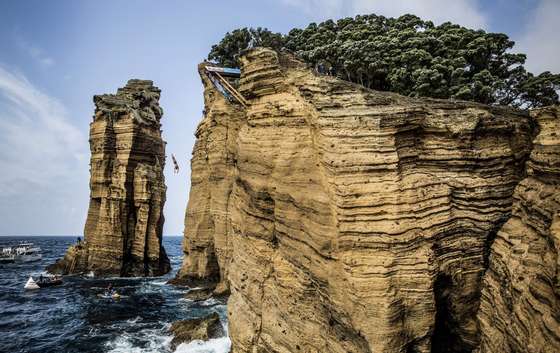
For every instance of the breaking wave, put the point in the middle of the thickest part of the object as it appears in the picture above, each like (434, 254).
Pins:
(216, 345)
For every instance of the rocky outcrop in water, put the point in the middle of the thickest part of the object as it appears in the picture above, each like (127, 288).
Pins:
(520, 305)
(205, 328)
(123, 230)
(347, 220)
(199, 294)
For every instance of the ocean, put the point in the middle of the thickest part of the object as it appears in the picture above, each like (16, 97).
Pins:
(72, 318)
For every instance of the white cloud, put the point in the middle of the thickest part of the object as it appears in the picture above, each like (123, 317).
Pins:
(39, 148)
(464, 12)
(540, 40)
(35, 52)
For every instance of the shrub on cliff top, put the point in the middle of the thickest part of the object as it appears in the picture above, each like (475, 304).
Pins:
(409, 56)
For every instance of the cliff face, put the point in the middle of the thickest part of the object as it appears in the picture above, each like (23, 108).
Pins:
(348, 220)
(520, 305)
(206, 244)
(123, 230)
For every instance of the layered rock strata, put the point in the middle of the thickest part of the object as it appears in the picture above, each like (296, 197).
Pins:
(520, 305)
(123, 230)
(348, 220)
(203, 329)
(206, 246)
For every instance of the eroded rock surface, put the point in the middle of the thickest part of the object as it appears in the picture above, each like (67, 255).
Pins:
(206, 246)
(199, 294)
(123, 230)
(348, 220)
(203, 329)
(520, 305)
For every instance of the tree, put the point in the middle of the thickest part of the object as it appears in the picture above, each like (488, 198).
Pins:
(409, 56)
(227, 51)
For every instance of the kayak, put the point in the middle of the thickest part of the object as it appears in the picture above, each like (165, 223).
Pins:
(110, 296)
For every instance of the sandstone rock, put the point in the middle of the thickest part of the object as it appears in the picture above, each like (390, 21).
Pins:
(348, 220)
(520, 305)
(199, 294)
(196, 329)
(123, 230)
(206, 245)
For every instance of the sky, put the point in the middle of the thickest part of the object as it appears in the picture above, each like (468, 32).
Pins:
(55, 55)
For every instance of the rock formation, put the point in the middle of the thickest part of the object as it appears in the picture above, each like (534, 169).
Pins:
(206, 244)
(520, 305)
(347, 220)
(203, 329)
(198, 294)
(123, 230)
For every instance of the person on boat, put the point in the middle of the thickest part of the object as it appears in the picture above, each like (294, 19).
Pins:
(110, 291)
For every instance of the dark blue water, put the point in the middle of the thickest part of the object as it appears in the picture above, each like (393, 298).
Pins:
(72, 318)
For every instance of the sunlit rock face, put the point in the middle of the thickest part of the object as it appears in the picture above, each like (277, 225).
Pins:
(348, 220)
(520, 305)
(123, 231)
(207, 246)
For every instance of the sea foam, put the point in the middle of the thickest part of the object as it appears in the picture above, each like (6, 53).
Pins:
(215, 345)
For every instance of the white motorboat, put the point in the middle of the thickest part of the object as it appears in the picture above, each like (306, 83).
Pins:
(7, 256)
(27, 252)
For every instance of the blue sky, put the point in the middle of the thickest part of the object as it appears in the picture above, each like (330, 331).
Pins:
(55, 55)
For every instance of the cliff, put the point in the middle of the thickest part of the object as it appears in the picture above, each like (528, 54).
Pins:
(520, 305)
(347, 220)
(206, 245)
(123, 230)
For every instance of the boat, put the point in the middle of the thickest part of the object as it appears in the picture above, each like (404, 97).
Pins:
(43, 282)
(27, 252)
(7, 256)
(114, 296)
(49, 281)
(23, 252)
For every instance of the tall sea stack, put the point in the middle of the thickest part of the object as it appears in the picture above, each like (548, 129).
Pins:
(123, 230)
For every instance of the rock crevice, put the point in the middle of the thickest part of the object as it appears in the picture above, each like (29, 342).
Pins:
(520, 305)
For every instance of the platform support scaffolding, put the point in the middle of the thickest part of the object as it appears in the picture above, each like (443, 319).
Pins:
(217, 72)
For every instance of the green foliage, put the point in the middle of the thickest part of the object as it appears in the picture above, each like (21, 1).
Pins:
(227, 52)
(409, 56)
